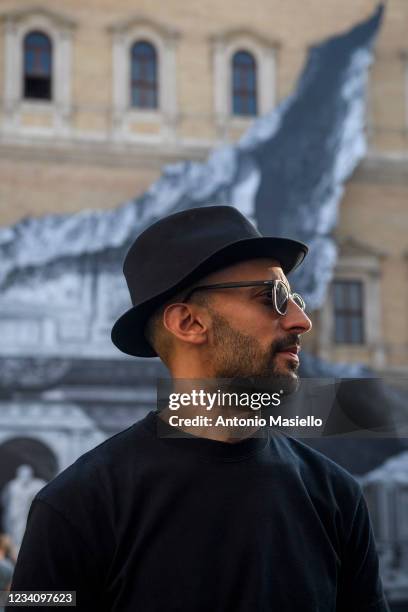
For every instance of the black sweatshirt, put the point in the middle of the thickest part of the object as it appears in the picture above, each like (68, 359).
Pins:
(144, 523)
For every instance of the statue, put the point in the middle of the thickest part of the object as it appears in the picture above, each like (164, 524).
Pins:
(16, 500)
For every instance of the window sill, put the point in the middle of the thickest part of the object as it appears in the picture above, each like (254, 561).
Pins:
(150, 115)
(36, 106)
(241, 121)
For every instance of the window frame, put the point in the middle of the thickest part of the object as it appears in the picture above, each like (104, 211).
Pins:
(356, 261)
(164, 118)
(58, 109)
(265, 53)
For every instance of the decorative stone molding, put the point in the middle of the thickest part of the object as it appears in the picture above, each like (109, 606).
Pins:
(361, 262)
(59, 28)
(64, 428)
(165, 117)
(264, 51)
(20, 15)
(30, 373)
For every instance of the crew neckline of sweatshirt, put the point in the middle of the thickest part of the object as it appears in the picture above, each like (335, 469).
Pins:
(205, 447)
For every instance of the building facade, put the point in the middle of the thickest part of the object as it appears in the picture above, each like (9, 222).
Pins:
(97, 96)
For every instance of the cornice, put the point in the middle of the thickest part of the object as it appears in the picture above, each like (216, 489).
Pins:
(348, 245)
(19, 15)
(226, 36)
(124, 26)
(382, 169)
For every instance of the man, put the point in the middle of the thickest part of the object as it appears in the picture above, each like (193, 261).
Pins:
(206, 521)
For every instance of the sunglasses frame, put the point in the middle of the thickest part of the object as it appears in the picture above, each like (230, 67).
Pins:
(267, 283)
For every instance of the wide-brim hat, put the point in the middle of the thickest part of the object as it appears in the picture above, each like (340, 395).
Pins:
(181, 248)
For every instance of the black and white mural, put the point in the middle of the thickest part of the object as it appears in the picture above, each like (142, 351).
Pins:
(64, 387)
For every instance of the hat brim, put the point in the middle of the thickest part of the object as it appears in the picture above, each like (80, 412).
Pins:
(128, 331)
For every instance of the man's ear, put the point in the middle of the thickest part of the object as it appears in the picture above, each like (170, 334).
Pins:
(186, 323)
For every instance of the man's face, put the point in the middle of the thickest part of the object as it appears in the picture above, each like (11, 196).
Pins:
(248, 337)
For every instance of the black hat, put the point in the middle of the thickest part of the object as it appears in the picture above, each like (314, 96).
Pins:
(181, 248)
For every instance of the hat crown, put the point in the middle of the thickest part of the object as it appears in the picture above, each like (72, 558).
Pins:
(172, 247)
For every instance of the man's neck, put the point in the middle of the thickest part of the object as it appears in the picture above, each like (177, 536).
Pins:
(205, 413)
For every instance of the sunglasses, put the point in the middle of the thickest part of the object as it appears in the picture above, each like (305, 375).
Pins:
(279, 293)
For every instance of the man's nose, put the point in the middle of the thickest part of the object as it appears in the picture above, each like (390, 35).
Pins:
(296, 317)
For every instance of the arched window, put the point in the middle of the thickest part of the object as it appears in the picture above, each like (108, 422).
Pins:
(143, 84)
(244, 95)
(37, 66)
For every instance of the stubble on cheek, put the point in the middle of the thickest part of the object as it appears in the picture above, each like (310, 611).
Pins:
(238, 354)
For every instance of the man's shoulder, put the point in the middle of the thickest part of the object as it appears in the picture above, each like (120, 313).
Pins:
(319, 470)
(94, 471)
(333, 492)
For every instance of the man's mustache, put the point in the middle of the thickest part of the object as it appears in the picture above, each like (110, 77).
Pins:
(284, 344)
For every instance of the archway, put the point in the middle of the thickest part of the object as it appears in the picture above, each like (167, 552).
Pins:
(18, 451)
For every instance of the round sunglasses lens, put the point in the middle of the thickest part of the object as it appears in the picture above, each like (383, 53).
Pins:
(282, 298)
(299, 301)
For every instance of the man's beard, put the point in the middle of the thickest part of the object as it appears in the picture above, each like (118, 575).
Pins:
(241, 359)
